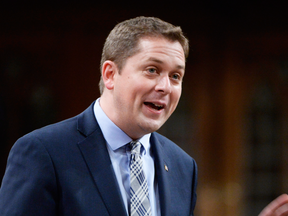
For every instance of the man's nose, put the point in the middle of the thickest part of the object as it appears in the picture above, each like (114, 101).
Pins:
(163, 84)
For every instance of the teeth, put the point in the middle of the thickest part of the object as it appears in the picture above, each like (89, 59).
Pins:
(159, 106)
(154, 106)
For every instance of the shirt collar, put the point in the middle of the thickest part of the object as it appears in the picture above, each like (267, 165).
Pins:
(114, 136)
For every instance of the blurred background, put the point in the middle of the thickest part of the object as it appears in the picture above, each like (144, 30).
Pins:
(233, 114)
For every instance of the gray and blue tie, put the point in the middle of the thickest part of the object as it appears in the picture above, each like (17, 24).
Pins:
(139, 196)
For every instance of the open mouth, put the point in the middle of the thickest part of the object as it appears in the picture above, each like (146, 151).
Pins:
(154, 106)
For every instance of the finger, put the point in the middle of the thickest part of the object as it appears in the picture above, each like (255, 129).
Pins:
(279, 201)
(282, 210)
(270, 209)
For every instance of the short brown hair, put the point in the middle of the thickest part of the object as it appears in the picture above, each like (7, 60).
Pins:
(122, 42)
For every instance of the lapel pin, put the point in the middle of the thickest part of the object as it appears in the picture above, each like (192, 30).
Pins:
(166, 167)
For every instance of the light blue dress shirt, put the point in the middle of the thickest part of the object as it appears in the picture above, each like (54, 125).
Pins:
(119, 153)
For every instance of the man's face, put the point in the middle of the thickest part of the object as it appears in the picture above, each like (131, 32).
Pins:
(148, 88)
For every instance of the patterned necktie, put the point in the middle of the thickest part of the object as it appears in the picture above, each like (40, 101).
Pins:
(139, 197)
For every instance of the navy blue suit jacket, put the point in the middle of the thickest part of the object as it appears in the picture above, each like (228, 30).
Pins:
(65, 169)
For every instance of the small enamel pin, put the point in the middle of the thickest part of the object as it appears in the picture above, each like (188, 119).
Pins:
(166, 167)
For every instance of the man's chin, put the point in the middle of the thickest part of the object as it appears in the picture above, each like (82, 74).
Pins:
(151, 126)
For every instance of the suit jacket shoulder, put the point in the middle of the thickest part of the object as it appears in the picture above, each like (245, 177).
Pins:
(61, 169)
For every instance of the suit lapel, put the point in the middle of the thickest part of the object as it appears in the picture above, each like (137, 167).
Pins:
(95, 153)
(162, 174)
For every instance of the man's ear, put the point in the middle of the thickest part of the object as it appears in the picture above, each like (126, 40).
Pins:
(109, 70)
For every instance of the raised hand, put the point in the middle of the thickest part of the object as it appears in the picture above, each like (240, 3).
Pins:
(278, 207)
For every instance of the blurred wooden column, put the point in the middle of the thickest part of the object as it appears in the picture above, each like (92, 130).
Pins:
(220, 103)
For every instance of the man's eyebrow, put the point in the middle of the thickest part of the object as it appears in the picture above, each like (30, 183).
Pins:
(161, 62)
(155, 60)
(181, 67)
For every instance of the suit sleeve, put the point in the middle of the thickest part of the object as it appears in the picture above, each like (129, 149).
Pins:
(29, 184)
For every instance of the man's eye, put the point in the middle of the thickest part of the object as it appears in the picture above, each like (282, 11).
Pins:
(152, 70)
(176, 76)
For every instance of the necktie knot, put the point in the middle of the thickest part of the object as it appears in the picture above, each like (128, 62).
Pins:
(135, 149)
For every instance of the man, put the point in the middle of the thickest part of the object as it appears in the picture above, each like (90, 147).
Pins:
(81, 166)
(85, 165)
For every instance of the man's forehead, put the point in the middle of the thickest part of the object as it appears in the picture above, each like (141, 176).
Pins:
(162, 44)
